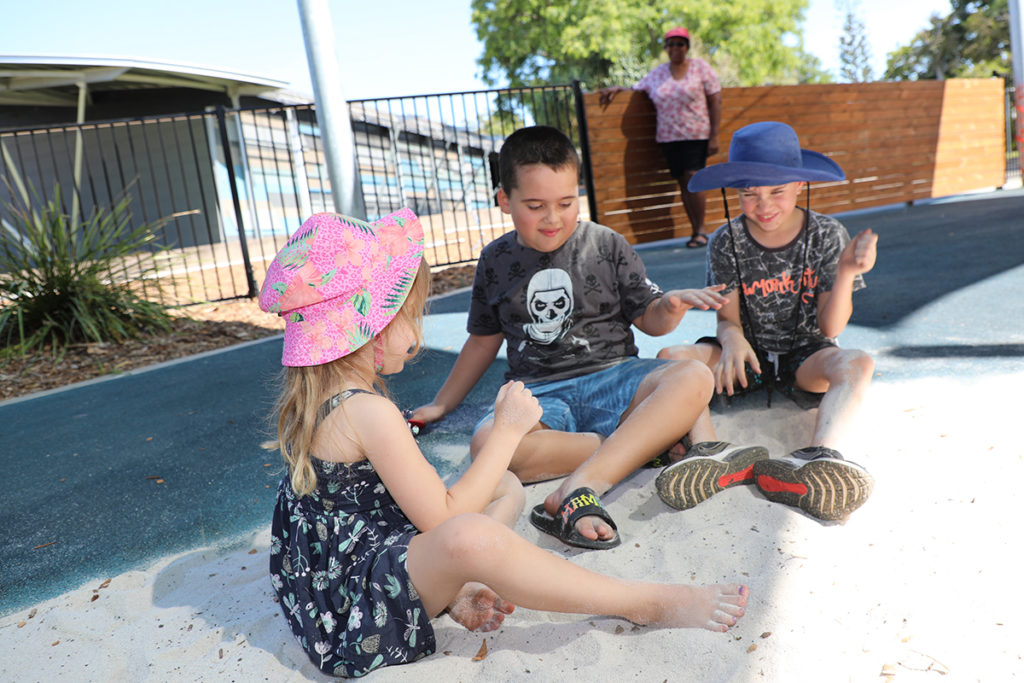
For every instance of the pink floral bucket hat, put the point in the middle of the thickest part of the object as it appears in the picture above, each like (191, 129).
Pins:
(339, 281)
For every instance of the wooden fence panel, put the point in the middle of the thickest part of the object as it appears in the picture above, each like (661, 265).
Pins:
(896, 141)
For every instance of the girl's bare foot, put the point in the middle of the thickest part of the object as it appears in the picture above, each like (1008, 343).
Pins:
(715, 608)
(479, 608)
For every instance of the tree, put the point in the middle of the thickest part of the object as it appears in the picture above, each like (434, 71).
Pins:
(809, 71)
(854, 50)
(972, 42)
(601, 42)
(501, 123)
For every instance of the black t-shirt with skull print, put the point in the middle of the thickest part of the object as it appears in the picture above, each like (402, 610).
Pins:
(563, 313)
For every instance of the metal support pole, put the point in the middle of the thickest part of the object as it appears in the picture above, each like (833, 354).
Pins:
(83, 91)
(331, 109)
(1017, 59)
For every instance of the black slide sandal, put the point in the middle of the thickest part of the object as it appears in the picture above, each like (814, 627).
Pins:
(583, 502)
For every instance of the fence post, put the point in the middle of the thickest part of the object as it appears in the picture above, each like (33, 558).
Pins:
(588, 172)
(229, 162)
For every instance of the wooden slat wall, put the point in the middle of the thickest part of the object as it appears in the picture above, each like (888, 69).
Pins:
(897, 142)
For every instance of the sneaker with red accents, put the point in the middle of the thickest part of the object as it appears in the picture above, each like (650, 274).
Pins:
(817, 480)
(709, 467)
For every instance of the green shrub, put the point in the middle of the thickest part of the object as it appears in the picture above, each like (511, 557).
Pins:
(62, 284)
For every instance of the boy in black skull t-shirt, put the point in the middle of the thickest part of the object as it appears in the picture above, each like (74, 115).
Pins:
(563, 295)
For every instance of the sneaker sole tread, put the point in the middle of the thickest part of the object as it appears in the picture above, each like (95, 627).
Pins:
(826, 489)
(693, 480)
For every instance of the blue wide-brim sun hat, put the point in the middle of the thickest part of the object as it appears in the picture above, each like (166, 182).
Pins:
(766, 153)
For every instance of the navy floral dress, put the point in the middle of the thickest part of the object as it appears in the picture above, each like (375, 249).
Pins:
(337, 562)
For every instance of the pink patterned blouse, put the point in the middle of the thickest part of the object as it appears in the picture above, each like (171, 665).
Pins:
(682, 105)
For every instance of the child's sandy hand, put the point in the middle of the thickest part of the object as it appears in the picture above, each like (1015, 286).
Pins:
(516, 408)
(731, 369)
(859, 255)
(680, 300)
(431, 412)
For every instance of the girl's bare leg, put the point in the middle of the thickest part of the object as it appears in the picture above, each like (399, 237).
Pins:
(476, 606)
(478, 548)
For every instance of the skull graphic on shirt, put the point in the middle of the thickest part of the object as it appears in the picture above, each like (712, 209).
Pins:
(550, 302)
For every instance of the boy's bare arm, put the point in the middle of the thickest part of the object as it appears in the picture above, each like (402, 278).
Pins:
(664, 313)
(476, 356)
(729, 322)
(836, 307)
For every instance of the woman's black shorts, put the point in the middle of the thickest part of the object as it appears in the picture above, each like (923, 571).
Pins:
(684, 155)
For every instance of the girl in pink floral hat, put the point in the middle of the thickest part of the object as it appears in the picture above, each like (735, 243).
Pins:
(368, 544)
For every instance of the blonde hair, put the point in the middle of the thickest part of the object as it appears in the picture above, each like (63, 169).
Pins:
(303, 388)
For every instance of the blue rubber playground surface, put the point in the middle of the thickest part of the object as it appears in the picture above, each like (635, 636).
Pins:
(107, 476)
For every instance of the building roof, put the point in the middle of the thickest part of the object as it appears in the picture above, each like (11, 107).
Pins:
(54, 80)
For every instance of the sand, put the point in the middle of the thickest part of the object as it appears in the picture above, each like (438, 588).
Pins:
(919, 584)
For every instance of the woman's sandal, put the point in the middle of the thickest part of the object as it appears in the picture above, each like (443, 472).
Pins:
(583, 502)
(697, 241)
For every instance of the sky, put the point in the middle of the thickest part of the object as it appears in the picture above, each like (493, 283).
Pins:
(385, 48)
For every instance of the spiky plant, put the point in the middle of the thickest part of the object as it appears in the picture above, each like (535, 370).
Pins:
(62, 284)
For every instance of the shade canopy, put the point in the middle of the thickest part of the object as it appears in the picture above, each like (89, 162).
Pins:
(59, 81)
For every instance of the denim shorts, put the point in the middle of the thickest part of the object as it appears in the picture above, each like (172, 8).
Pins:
(593, 402)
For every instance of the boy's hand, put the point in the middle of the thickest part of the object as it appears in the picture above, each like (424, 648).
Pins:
(664, 313)
(681, 300)
(859, 255)
(731, 367)
(431, 412)
(516, 408)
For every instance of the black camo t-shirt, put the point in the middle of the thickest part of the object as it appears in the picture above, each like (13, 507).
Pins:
(563, 313)
(780, 286)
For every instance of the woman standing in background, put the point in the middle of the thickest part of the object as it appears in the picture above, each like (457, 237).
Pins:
(688, 100)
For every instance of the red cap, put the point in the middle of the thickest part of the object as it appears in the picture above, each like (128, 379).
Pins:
(677, 32)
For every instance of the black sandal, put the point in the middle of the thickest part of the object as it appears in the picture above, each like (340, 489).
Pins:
(697, 241)
(583, 502)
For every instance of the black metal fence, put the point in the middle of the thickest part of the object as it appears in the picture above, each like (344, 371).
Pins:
(231, 185)
(172, 168)
(437, 154)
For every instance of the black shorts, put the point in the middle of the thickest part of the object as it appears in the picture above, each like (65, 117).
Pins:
(783, 367)
(684, 155)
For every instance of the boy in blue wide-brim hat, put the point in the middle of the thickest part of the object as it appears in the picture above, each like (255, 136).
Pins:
(792, 273)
